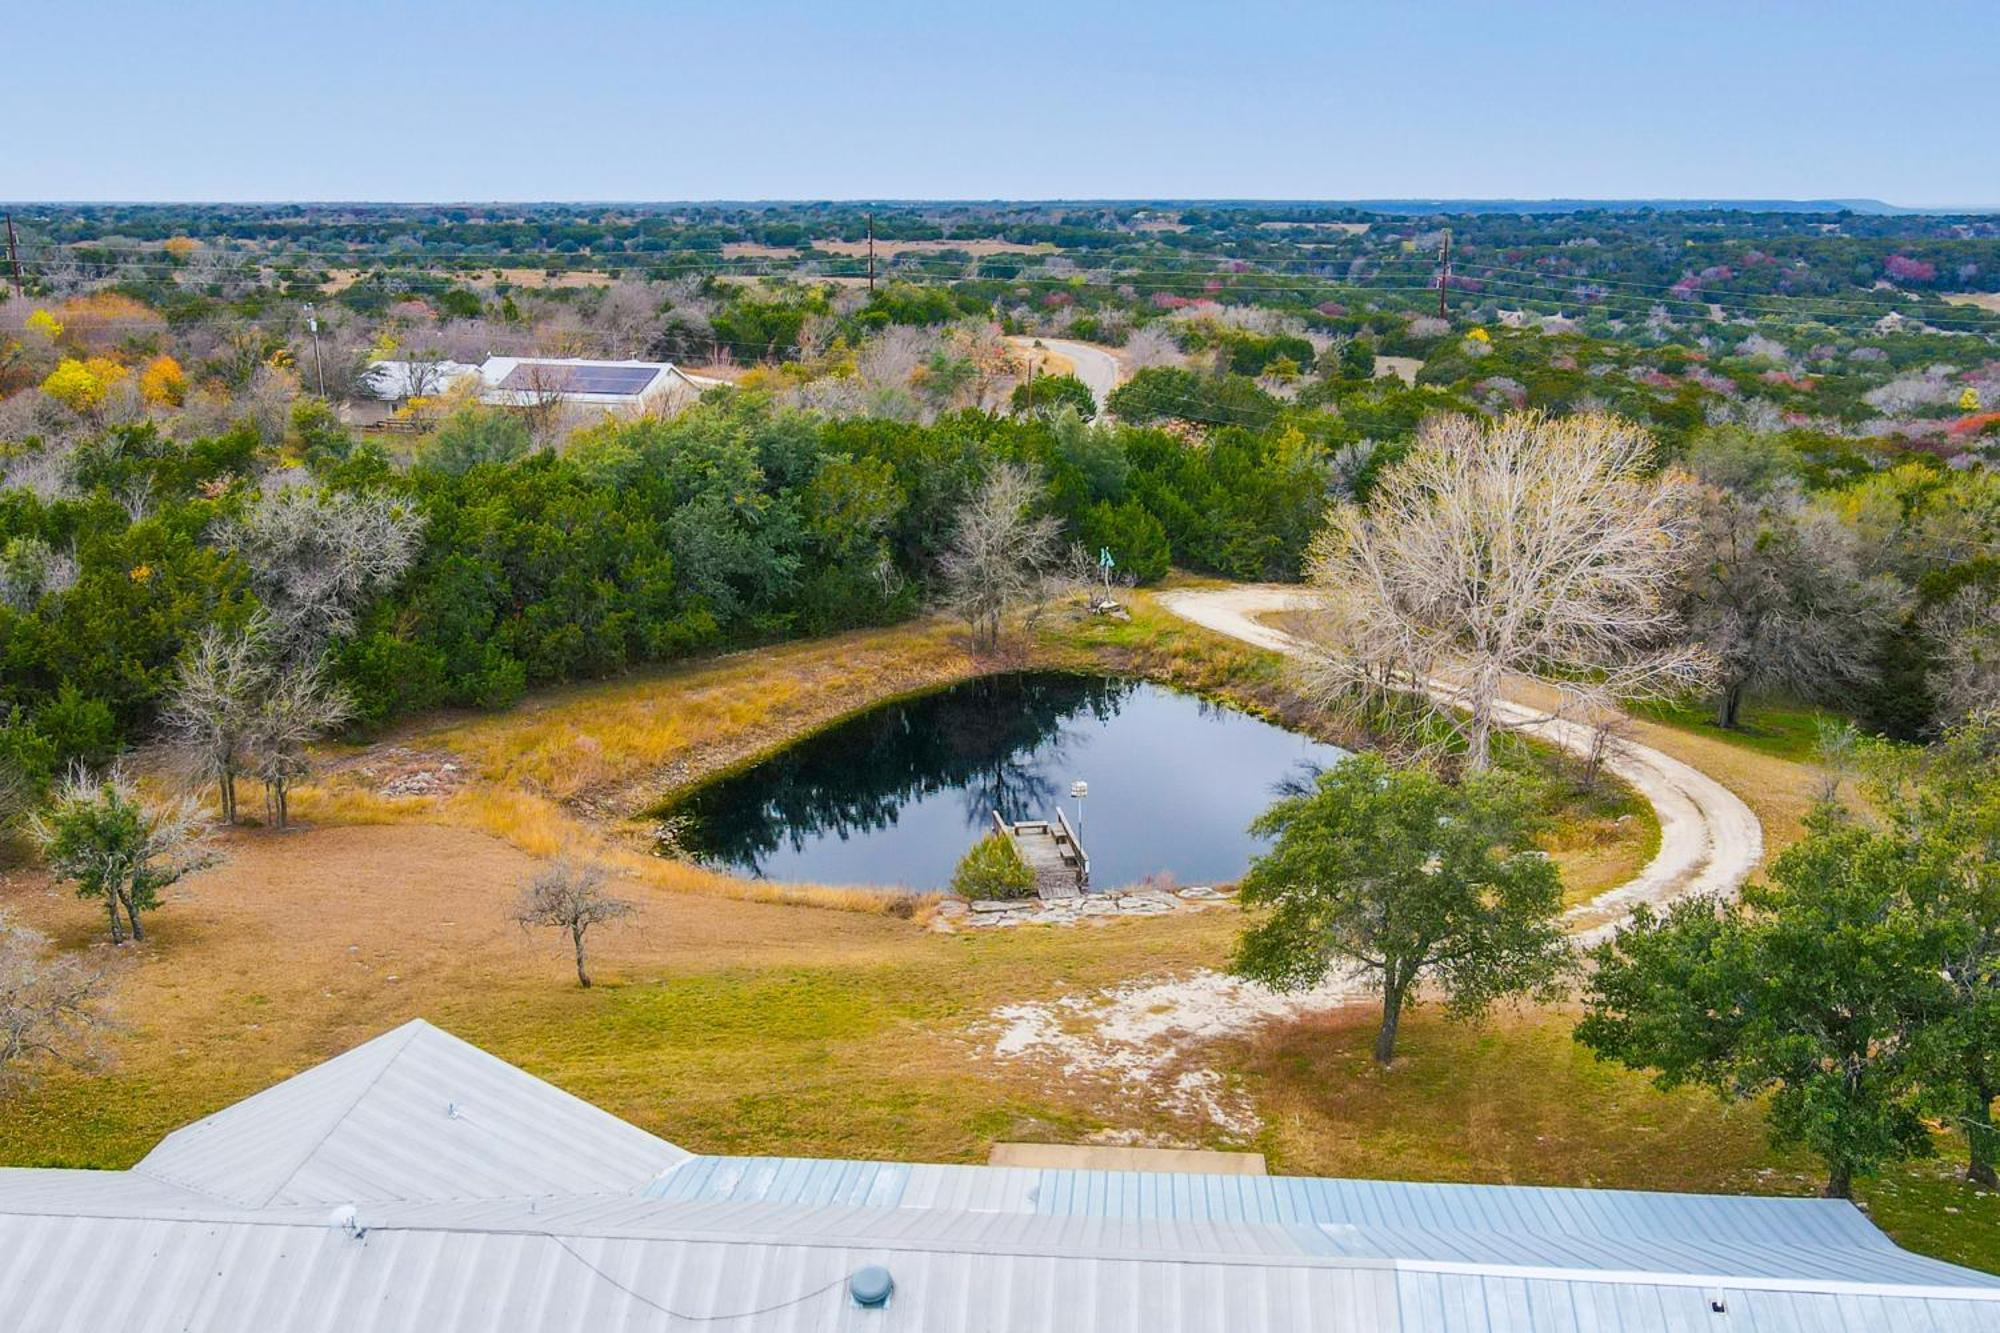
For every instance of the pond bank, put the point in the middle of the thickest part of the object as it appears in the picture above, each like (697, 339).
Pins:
(954, 915)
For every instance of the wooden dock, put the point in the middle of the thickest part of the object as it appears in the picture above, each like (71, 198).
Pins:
(1052, 851)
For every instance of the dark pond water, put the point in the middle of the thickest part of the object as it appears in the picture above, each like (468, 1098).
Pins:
(895, 796)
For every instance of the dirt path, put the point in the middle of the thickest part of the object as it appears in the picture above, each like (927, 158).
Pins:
(1098, 367)
(1146, 1036)
(1710, 840)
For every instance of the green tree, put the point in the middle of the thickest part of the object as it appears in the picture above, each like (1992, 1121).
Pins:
(1134, 537)
(1813, 989)
(1945, 803)
(1405, 878)
(459, 303)
(993, 869)
(101, 835)
(1046, 395)
(1160, 393)
(323, 441)
(475, 435)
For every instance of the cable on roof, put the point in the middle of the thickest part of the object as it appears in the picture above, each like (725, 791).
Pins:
(671, 1313)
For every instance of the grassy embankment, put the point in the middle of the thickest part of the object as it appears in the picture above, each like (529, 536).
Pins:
(732, 1024)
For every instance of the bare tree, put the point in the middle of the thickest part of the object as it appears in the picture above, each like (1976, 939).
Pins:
(317, 559)
(212, 704)
(999, 552)
(628, 316)
(101, 835)
(1529, 544)
(297, 705)
(541, 402)
(1966, 630)
(570, 895)
(1777, 596)
(49, 1005)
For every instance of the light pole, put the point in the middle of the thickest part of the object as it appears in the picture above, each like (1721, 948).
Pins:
(1078, 790)
(319, 369)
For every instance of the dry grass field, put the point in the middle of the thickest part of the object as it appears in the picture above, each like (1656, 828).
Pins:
(731, 1016)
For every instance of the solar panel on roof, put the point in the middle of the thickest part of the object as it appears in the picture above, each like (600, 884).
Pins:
(550, 377)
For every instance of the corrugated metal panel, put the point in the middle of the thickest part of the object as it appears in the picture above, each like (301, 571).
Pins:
(1514, 1225)
(35, 1190)
(248, 1278)
(414, 1114)
(1381, 1203)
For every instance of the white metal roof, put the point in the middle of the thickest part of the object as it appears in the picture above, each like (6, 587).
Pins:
(664, 381)
(414, 1114)
(394, 381)
(481, 1198)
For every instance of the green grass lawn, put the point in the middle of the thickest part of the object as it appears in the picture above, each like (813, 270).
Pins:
(1516, 1101)
(1780, 730)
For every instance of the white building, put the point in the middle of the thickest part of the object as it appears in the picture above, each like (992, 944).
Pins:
(418, 1184)
(629, 387)
(625, 387)
(400, 381)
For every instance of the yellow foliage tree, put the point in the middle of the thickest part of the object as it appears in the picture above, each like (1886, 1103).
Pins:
(82, 386)
(163, 383)
(1969, 400)
(180, 247)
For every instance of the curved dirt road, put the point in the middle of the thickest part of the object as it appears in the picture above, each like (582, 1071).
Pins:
(1099, 370)
(1146, 1037)
(1709, 839)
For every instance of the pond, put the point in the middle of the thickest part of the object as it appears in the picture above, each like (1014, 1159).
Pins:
(894, 796)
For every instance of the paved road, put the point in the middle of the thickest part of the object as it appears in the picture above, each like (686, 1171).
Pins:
(1099, 370)
(1710, 840)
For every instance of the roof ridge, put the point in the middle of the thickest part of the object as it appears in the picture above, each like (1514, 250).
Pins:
(414, 1029)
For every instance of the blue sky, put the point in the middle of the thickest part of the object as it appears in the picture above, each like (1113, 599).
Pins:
(618, 99)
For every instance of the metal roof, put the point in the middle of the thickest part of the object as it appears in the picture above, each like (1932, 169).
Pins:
(414, 1114)
(418, 1184)
(526, 381)
(1511, 1225)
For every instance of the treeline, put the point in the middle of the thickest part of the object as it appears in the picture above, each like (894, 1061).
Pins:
(734, 523)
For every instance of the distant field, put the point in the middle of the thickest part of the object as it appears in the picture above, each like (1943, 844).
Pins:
(1984, 300)
(341, 278)
(1404, 368)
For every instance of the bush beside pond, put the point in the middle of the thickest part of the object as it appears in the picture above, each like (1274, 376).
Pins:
(993, 869)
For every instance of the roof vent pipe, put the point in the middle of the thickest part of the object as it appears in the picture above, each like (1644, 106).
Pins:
(870, 1287)
(347, 1219)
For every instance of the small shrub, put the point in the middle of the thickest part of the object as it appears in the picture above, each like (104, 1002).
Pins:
(993, 869)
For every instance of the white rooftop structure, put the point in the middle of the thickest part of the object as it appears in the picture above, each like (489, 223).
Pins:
(513, 381)
(418, 1184)
(400, 381)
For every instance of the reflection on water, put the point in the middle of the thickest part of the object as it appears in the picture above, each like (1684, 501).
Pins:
(896, 795)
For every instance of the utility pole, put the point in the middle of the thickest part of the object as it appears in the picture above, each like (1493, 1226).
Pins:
(1444, 271)
(319, 367)
(871, 254)
(13, 256)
